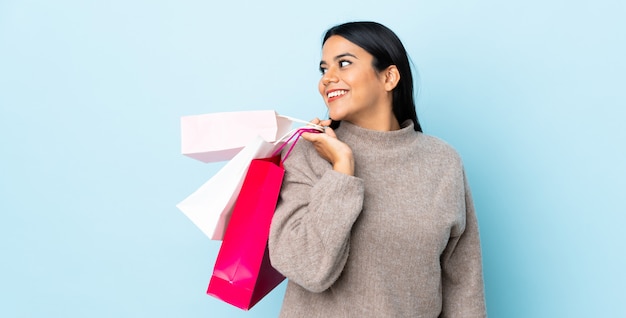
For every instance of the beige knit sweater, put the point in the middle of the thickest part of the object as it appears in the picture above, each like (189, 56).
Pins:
(398, 239)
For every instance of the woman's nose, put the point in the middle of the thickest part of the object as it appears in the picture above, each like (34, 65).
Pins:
(329, 77)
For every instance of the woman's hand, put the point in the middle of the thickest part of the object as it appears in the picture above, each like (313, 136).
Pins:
(332, 149)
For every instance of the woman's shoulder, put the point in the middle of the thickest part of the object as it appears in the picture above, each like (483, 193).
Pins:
(438, 148)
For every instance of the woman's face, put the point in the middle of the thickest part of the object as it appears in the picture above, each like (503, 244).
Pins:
(350, 85)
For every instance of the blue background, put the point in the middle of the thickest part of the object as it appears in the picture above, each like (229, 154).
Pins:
(531, 93)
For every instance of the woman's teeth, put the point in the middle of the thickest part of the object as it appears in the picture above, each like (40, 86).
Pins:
(336, 93)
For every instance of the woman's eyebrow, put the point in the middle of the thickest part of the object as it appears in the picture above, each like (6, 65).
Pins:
(322, 62)
(344, 55)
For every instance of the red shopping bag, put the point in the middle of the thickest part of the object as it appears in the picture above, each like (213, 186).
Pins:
(243, 274)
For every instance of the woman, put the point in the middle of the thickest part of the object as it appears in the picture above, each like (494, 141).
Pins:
(375, 218)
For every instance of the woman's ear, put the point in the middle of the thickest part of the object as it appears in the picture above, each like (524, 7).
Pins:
(392, 77)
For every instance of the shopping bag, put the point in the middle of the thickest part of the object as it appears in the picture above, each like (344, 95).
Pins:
(211, 205)
(220, 136)
(242, 274)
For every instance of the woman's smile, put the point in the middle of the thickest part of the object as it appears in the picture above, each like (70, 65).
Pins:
(334, 94)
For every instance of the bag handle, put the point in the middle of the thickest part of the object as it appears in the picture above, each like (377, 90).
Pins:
(300, 121)
(296, 133)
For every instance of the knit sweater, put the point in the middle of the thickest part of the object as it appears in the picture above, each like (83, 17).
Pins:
(397, 239)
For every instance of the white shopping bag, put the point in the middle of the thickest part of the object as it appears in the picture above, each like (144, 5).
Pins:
(220, 136)
(210, 207)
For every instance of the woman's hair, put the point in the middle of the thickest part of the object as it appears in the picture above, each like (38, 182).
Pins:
(387, 49)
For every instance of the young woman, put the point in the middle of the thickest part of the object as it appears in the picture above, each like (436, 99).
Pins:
(375, 218)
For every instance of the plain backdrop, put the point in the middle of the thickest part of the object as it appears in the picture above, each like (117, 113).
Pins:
(531, 93)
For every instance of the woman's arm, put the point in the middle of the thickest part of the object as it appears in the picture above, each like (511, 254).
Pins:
(461, 262)
(310, 232)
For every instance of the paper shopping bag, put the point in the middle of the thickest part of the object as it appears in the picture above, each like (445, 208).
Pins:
(242, 274)
(210, 206)
(220, 136)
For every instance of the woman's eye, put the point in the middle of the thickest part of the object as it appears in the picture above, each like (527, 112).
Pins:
(323, 70)
(344, 63)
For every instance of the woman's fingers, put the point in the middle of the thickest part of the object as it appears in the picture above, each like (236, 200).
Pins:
(312, 137)
(330, 132)
(325, 123)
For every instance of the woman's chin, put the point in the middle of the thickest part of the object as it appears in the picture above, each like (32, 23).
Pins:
(337, 116)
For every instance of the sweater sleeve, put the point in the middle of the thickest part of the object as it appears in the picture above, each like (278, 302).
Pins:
(462, 276)
(310, 232)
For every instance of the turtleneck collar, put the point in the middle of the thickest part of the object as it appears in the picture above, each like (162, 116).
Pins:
(356, 136)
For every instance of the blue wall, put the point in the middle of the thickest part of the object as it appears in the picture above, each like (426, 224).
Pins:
(531, 93)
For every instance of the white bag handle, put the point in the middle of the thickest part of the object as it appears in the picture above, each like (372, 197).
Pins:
(288, 135)
(296, 120)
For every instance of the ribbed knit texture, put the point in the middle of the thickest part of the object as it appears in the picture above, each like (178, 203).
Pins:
(398, 239)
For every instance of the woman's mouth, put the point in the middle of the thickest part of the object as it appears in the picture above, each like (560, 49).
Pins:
(335, 94)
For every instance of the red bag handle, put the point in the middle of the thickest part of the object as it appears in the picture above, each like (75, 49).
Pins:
(295, 135)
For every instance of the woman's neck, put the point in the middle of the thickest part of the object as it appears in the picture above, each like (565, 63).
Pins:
(389, 123)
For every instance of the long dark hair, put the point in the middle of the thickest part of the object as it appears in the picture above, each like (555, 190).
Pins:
(387, 49)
